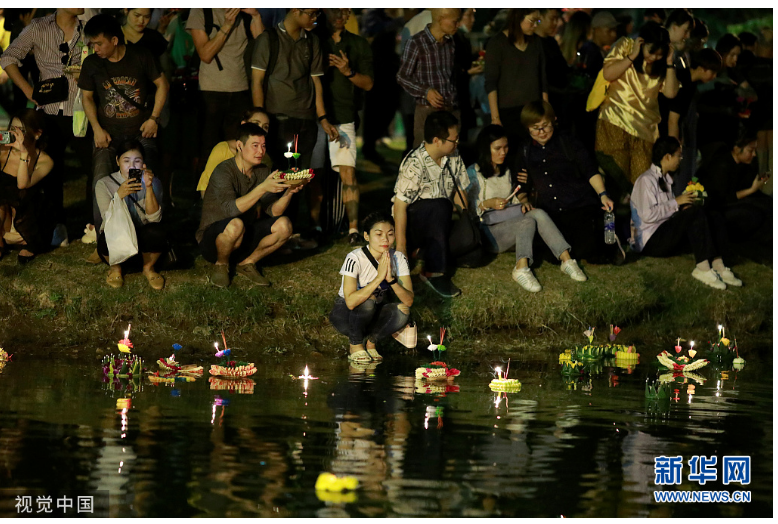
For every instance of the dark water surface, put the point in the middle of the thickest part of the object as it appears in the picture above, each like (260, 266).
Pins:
(585, 448)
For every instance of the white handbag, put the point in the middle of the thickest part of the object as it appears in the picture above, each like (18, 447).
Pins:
(119, 232)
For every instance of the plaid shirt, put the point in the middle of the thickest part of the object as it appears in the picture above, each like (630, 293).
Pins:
(43, 37)
(427, 64)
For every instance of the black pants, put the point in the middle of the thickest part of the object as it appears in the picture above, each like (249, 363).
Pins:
(584, 230)
(221, 117)
(151, 239)
(381, 104)
(367, 320)
(428, 228)
(703, 230)
(747, 216)
(60, 131)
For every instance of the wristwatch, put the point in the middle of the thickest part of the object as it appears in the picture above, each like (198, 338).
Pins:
(392, 282)
(154, 118)
(352, 75)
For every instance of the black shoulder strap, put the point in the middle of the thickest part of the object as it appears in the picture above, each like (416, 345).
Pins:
(272, 58)
(247, 25)
(132, 197)
(209, 25)
(119, 91)
(370, 256)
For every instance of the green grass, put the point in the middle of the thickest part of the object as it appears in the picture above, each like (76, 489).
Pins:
(60, 305)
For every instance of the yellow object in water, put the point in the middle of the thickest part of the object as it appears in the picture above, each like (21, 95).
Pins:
(123, 348)
(330, 482)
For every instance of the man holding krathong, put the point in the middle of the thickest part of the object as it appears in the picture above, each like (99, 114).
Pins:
(242, 207)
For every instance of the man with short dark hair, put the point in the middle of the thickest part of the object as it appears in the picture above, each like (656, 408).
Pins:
(241, 221)
(348, 75)
(679, 114)
(425, 195)
(427, 69)
(114, 85)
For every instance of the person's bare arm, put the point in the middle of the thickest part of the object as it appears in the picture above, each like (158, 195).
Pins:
(207, 48)
(257, 87)
(400, 225)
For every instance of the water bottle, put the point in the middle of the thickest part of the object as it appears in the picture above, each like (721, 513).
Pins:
(610, 227)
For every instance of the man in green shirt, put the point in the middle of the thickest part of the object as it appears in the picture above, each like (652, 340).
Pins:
(348, 73)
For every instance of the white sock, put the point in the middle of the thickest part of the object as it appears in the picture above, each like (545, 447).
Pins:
(718, 264)
(703, 266)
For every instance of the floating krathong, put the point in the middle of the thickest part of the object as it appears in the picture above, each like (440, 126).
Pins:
(680, 363)
(170, 364)
(231, 368)
(437, 371)
(122, 366)
(503, 383)
(628, 356)
(169, 378)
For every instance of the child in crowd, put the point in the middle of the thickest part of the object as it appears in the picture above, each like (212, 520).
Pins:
(507, 220)
(361, 310)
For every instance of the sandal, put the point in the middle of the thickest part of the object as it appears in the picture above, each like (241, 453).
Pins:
(374, 354)
(114, 279)
(156, 281)
(361, 357)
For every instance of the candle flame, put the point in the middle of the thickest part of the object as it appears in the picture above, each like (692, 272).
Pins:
(691, 343)
(216, 345)
(498, 370)
(306, 371)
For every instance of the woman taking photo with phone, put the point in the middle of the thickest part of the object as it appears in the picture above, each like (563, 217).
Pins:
(638, 70)
(663, 225)
(361, 310)
(24, 217)
(137, 189)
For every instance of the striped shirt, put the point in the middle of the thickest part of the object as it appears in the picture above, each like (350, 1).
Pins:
(426, 65)
(43, 37)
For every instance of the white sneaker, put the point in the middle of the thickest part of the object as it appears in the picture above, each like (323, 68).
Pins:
(90, 235)
(710, 278)
(526, 279)
(729, 278)
(571, 269)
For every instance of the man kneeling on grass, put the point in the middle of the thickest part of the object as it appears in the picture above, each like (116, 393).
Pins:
(242, 208)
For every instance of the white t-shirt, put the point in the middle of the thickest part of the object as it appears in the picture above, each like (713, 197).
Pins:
(358, 266)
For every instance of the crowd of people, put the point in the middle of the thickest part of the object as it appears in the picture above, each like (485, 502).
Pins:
(582, 127)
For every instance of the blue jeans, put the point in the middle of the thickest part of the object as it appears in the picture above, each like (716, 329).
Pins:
(367, 320)
(520, 232)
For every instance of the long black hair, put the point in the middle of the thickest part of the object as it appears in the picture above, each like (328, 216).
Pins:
(665, 145)
(657, 39)
(489, 134)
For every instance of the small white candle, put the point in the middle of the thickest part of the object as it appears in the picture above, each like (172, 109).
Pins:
(289, 147)
(692, 344)
(216, 345)
(499, 373)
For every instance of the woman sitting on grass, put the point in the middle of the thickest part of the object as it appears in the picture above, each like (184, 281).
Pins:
(24, 218)
(135, 187)
(508, 223)
(360, 310)
(663, 225)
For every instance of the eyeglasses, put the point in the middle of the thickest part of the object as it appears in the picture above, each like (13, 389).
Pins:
(312, 15)
(455, 141)
(533, 21)
(540, 129)
(65, 48)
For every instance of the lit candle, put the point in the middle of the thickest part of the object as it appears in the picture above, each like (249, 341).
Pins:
(720, 328)
(499, 372)
(289, 150)
(692, 344)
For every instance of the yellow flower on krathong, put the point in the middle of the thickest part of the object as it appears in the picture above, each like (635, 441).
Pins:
(725, 341)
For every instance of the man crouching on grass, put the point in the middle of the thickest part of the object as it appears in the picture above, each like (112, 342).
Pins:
(242, 208)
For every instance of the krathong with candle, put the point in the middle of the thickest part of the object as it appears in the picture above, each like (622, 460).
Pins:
(680, 363)
(122, 366)
(504, 384)
(231, 368)
(724, 351)
(437, 370)
(170, 364)
(124, 344)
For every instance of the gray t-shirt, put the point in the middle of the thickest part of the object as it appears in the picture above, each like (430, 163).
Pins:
(290, 89)
(226, 185)
(232, 77)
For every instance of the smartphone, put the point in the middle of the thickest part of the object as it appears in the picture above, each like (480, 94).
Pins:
(136, 175)
(6, 137)
(765, 176)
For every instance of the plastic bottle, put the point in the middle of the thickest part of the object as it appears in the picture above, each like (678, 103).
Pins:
(610, 227)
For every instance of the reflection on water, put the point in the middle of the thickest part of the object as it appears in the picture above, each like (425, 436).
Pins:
(573, 446)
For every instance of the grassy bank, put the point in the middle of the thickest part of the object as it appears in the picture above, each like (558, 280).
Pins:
(60, 305)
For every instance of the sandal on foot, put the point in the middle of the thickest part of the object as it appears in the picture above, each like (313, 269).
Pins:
(156, 281)
(115, 280)
(361, 356)
(374, 354)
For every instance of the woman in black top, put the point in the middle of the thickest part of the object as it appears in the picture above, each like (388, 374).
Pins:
(515, 71)
(136, 32)
(24, 166)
